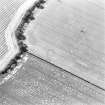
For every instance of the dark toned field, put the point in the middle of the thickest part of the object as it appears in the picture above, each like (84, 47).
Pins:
(41, 83)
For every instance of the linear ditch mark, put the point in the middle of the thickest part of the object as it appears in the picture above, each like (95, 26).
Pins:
(68, 72)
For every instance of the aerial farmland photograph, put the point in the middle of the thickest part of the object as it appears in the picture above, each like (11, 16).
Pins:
(52, 52)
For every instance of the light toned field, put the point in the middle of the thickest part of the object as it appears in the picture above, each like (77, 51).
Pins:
(71, 35)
